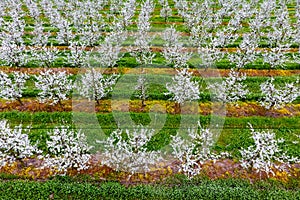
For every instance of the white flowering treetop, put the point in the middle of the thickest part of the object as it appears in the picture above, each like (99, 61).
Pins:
(173, 51)
(12, 88)
(182, 87)
(264, 152)
(54, 86)
(114, 7)
(165, 11)
(129, 153)
(95, 86)
(13, 54)
(89, 33)
(65, 34)
(262, 17)
(109, 52)
(45, 55)
(246, 53)
(275, 57)
(67, 149)
(15, 144)
(279, 38)
(33, 9)
(41, 53)
(195, 151)
(141, 51)
(77, 56)
(41, 37)
(231, 89)
(127, 12)
(141, 88)
(277, 97)
(182, 7)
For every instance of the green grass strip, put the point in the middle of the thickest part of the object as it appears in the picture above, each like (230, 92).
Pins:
(234, 135)
(206, 189)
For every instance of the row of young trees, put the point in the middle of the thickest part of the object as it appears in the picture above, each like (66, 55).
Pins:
(79, 25)
(57, 86)
(67, 149)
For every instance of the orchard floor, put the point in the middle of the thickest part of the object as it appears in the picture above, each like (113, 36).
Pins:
(31, 169)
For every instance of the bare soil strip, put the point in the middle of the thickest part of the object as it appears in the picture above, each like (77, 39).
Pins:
(160, 71)
(242, 109)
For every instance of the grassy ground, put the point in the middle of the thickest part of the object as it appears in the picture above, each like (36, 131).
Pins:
(178, 188)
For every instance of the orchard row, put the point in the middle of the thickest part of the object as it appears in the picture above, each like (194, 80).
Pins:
(68, 149)
(54, 87)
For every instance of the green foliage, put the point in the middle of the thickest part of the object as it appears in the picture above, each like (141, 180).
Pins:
(65, 188)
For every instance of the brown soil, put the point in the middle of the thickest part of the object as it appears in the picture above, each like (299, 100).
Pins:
(156, 71)
(242, 109)
(219, 169)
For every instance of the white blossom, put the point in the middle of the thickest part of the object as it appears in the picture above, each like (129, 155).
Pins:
(115, 6)
(264, 152)
(141, 51)
(143, 22)
(77, 57)
(224, 37)
(279, 38)
(194, 151)
(54, 86)
(275, 57)
(277, 97)
(127, 12)
(182, 7)
(165, 11)
(246, 53)
(13, 54)
(89, 33)
(128, 152)
(65, 34)
(108, 53)
(45, 55)
(13, 50)
(15, 144)
(173, 51)
(33, 9)
(40, 37)
(67, 149)
(231, 89)
(142, 88)
(209, 56)
(12, 88)
(182, 87)
(95, 86)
